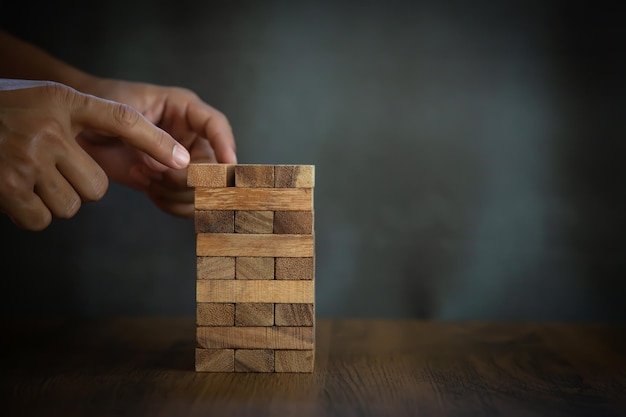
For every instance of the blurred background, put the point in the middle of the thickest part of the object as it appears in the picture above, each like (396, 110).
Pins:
(469, 155)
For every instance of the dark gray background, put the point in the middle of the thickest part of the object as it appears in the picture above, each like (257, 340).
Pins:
(469, 155)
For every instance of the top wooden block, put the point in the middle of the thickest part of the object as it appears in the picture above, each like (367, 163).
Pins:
(254, 176)
(213, 175)
(210, 175)
(294, 176)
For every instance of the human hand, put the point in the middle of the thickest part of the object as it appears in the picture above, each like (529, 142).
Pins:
(200, 128)
(44, 172)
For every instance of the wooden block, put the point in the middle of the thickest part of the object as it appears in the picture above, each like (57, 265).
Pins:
(210, 175)
(272, 199)
(254, 291)
(215, 360)
(295, 338)
(254, 360)
(293, 222)
(294, 314)
(294, 176)
(254, 176)
(215, 267)
(294, 360)
(214, 221)
(295, 268)
(255, 251)
(257, 221)
(241, 244)
(215, 314)
(249, 267)
(254, 314)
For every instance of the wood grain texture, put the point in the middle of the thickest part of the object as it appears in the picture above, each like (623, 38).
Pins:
(293, 222)
(254, 291)
(254, 176)
(215, 267)
(215, 314)
(254, 221)
(295, 268)
(144, 366)
(254, 360)
(267, 245)
(214, 221)
(298, 176)
(254, 314)
(294, 360)
(215, 360)
(272, 199)
(294, 314)
(251, 267)
(298, 338)
(210, 175)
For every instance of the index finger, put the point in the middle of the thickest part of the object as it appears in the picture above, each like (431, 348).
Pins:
(132, 127)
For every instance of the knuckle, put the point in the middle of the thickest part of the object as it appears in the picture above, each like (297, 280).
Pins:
(185, 92)
(221, 118)
(124, 115)
(51, 135)
(12, 184)
(222, 124)
(161, 140)
(31, 149)
(58, 92)
(17, 185)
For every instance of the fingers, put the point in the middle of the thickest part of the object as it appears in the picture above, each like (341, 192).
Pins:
(58, 195)
(172, 195)
(44, 173)
(208, 122)
(33, 202)
(172, 186)
(173, 208)
(132, 127)
(27, 211)
(142, 177)
(56, 175)
(57, 191)
(163, 193)
(86, 179)
(168, 190)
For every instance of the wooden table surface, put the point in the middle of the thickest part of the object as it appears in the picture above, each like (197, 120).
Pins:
(144, 367)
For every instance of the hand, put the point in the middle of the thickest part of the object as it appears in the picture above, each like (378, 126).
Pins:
(44, 172)
(200, 128)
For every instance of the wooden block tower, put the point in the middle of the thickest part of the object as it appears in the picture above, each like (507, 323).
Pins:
(255, 287)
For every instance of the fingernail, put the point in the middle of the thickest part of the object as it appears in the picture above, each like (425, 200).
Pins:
(181, 156)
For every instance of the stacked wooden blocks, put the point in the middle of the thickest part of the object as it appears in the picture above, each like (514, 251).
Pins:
(255, 250)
